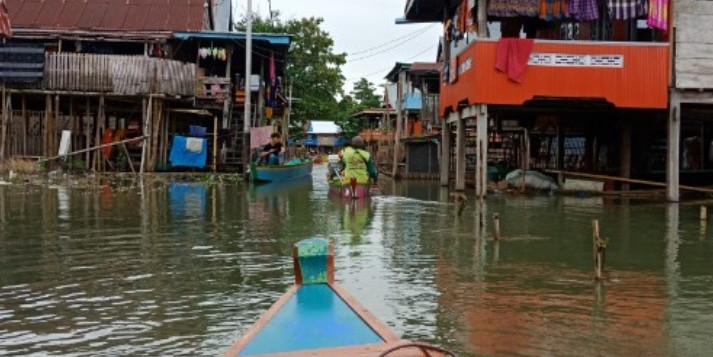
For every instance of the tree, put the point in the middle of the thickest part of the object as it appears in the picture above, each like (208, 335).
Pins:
(363, 96)
(313, 69)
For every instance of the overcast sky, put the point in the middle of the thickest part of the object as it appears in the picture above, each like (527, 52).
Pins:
(360, 25)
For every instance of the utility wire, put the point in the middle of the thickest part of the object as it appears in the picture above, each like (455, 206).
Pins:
(387, 68)
(414, 33)
(386, 49)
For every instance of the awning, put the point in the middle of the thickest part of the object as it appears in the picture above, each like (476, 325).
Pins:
(273, 39)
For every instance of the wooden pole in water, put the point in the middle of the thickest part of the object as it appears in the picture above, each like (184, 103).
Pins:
(215, 143)
(598, 248)
(496, 226)
(704, 213)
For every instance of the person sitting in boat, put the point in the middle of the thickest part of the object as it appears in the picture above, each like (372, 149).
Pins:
(272, 152)
(357, 163)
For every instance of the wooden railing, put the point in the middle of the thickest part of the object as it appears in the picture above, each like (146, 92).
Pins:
(123, 75)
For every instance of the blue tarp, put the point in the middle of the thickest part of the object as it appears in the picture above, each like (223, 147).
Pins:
(412, 101)
(184, 158)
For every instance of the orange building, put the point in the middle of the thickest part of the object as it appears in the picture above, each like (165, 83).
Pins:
(552, 87)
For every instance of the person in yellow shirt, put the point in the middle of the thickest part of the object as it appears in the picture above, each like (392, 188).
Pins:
(358, 163)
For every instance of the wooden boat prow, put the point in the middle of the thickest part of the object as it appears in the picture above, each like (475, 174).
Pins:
(318, 318)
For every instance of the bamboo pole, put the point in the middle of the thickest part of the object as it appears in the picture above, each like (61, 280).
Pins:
(82, 151)
(599, 247)
(128, 157)
(623, 179)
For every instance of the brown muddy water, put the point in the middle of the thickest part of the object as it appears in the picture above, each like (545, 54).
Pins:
(184, 270)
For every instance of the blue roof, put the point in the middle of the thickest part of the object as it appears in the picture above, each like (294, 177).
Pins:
(273, 39)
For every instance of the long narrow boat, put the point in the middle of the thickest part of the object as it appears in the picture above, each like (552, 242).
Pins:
(352, 189)
(317, 318)
(292, 170)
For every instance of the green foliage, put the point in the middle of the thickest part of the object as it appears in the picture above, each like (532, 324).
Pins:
(363, 96)
(313, 69)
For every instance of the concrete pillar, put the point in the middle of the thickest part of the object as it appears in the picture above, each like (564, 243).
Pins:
(481, 178)
(445, 158)
(460, 154)
(625, 152)
(674, 145)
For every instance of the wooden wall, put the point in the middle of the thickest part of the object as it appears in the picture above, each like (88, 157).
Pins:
(693, 20)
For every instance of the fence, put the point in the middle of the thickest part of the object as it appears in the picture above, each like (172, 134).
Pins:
(116, 74)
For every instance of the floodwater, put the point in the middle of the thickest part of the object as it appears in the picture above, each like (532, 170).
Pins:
(184, 270)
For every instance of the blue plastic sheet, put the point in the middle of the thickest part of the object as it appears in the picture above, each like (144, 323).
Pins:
(184, 158)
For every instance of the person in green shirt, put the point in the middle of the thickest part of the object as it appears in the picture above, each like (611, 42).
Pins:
(358, 163)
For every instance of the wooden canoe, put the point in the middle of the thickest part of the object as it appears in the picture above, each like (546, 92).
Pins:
(347, 190)
(318, 318)
(281, 173)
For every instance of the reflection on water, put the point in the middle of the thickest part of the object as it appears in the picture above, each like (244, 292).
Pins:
(184, 270)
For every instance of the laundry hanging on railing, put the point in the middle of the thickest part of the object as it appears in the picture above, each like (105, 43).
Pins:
(551, 10)
(583, 10)
(512, 8)
(627, 9)
(658, 14)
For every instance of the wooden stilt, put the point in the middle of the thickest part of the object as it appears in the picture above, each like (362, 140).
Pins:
(5, 116)
(674, 142)
(460, 154)
(445, 154)
(155, 125)
(481, 181)
(87, 131)
(147, 105)
(704, 213)
(399, 124)
(496, 226)
(215, 143)
(24, 125)
(625, 152)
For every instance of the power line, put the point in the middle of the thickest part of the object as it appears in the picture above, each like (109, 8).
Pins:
(387, 68)
(387, 49)
(417, 32)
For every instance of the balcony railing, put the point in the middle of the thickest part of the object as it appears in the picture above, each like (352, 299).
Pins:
(625, 74)
(115, 74)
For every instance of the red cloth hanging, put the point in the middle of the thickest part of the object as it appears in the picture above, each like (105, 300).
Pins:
(5, 27)
(512, 57)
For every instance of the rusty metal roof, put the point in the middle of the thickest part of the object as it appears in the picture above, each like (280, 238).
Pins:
(107, 15)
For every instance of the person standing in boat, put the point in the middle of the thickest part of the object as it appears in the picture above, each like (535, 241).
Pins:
(357, 163)
(272, 152)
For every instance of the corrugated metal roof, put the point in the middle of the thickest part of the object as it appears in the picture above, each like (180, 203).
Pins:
(108, 15)
(323, 127)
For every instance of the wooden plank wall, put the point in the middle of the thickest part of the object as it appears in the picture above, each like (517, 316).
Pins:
(122, 75)
(693, 20)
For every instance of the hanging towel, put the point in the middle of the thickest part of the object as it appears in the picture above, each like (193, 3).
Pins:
(627, 9)
(658, 14)
(512, 8)
(194, 145)
(512, 57)
(583, 10)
